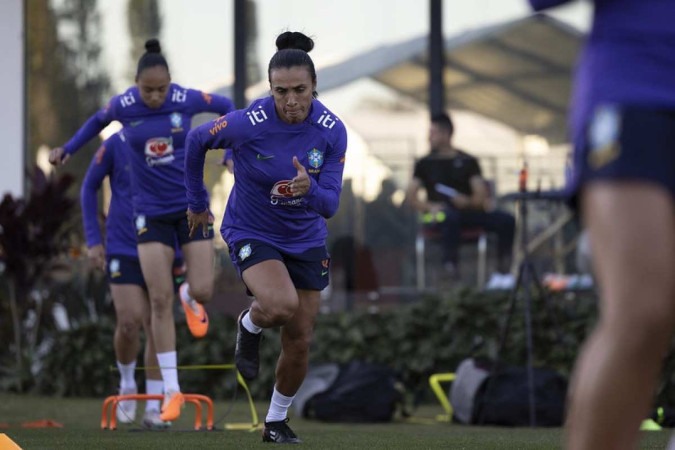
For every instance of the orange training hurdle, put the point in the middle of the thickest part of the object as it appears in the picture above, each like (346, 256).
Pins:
(110, 404)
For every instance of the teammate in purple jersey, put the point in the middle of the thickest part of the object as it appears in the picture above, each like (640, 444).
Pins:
(118, 257)
(289, 153)
(156, 116)
(623, 127)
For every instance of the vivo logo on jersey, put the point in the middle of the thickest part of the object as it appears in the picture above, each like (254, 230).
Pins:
(178, 96)
(219, 124)
(327, 120)
(159, 151)
(127, 100)
(257, 116)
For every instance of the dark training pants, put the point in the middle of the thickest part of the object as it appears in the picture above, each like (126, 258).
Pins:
(498, 222)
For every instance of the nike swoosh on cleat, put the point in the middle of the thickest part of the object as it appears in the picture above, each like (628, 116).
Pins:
(264, 157)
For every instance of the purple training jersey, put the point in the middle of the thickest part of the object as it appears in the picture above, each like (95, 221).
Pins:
(260, 205)
(156, 139)
(110, 160)
(639, 31)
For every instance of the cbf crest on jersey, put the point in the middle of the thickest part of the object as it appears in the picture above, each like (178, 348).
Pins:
(315, 158)
(176, 122)
(114, 268)
(245, 252)
(603, 136)
(141, 224)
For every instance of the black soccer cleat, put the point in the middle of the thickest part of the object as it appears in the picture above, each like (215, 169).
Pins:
(246, 356)
(279, 433)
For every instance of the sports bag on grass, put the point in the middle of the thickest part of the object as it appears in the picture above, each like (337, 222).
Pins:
(358, 392)
(480, 398)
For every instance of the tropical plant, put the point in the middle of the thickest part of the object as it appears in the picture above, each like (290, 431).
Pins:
(33, 233)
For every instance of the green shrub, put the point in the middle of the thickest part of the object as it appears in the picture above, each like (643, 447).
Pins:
(417, 339)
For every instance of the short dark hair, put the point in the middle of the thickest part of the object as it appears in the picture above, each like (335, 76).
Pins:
(152, 57)
(293, 49)
(444, 121)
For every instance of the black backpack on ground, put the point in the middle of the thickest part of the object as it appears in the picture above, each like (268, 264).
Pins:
(479, 397)
(353, 392)
(503, 399)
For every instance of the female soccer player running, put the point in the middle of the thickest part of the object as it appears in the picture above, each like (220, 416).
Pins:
(289, 153)
(118, 257)
(624, 175)
(156, 116)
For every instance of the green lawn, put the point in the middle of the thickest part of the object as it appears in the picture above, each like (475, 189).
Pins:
(81, 420)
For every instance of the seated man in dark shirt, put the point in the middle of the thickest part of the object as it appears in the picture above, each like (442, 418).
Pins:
(455, 188)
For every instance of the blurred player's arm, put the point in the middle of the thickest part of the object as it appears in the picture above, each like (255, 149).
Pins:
(98, 170)
(91, 128)
(539, 5)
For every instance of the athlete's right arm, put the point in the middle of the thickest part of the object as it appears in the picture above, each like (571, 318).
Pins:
(100, 167)
(539, 5)
(89, 130)
(210, 135)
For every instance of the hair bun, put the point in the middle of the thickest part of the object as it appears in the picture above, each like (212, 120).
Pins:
(294, 39)
(152, 46)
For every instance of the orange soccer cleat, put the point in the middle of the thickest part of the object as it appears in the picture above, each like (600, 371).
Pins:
(173, 402)
(195, 314)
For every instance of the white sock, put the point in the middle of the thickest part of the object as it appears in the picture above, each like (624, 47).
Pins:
(278, 406)
(154, 387)
(127, 380)
(185, 293)
(167, 365)
(249, 325)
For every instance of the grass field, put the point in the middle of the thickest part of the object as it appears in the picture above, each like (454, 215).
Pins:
(81, 420)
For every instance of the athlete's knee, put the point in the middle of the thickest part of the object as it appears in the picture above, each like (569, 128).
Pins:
(279, 310)
(128, 327)
(640, 332)
(202, 292)
(298, 346)
(282, 313)
(161, 303)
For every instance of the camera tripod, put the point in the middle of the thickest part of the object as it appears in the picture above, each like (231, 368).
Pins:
(527, 276)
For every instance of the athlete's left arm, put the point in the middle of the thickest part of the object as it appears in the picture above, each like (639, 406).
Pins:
(324, 192)
(100, 167)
